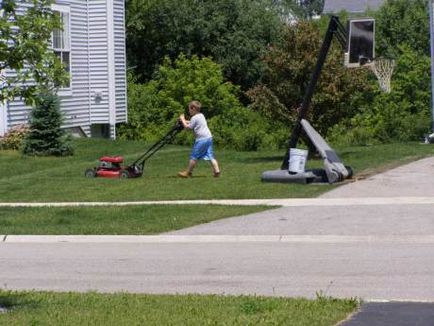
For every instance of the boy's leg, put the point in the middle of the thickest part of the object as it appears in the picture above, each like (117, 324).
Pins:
(215, 167)
(210, 156)
(191, 166)
(187, 173)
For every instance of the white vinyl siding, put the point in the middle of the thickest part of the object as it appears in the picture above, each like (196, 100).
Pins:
(87, 101)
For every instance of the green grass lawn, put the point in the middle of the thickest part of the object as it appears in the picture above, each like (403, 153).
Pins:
(47, 308)
(29, 179)
(51, 179)
(114, 220)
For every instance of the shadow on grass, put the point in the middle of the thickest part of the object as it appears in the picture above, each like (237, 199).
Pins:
(347, 153)
(194, 176)
(263, 159)
(11, 300)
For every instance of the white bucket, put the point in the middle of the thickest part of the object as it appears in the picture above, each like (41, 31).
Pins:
(297, 160)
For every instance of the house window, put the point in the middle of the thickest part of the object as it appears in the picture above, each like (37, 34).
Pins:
(61, 39)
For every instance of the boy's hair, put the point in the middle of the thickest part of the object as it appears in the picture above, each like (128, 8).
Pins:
(196, 105)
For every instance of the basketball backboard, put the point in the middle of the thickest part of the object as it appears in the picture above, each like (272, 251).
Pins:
(360, 42)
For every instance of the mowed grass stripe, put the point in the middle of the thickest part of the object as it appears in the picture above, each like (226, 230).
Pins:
(129, 220)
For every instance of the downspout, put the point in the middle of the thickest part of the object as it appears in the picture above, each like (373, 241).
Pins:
(125, 59)
(3, 118)
(3, 111)
(431, 30)
(89, 76)
(111, 69)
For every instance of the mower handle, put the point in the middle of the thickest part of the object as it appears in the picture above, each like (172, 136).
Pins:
(178, 127)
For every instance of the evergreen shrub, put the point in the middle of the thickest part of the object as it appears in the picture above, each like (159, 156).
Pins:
(45, 136)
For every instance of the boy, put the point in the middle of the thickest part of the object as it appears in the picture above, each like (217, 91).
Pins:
(202, 147)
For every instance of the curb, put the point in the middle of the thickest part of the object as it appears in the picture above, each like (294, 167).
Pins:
(293, 202)
(157, 239)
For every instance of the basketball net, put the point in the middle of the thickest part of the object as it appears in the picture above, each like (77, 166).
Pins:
(383, 69)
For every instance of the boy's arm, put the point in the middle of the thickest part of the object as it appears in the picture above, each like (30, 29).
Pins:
(184, 122)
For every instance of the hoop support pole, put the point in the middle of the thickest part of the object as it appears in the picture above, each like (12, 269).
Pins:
(431, 32)
(334, 28)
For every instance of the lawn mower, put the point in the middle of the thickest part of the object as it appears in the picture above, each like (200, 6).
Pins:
(112, 166)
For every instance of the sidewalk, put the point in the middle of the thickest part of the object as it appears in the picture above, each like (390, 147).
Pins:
(290, 202)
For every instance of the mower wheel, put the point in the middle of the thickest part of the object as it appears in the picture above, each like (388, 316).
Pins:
(90, 173)
(124, 174)
(350, 171)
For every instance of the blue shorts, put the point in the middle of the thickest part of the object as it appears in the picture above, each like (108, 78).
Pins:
(202, 149)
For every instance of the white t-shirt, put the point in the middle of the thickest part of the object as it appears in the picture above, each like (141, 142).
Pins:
(199, 126)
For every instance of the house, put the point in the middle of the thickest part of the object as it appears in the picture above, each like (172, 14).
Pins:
(351, 6)
(92, 46)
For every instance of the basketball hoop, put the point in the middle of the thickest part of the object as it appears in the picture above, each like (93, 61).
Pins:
(383, 69)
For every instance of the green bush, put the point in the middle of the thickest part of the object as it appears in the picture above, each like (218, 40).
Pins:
(145, 116)
(401, 115)
(154, 107)
(14, 138)
(245, 130)
(45, 136)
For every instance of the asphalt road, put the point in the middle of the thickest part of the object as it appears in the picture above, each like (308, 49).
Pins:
(367, 269)
(372, 251)
(393, 313)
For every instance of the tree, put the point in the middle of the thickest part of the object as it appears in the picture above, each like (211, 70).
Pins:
(304, 9)
(312, 7)
(235, 33)
(45, 136)
(402, 22)
(25, 48)
(289, 68)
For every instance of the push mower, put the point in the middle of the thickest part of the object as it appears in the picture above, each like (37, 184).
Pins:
(112, 166)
